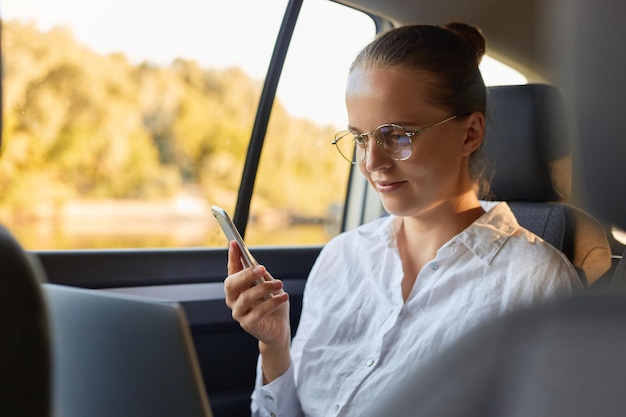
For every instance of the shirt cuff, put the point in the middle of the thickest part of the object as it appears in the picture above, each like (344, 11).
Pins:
(278, 398)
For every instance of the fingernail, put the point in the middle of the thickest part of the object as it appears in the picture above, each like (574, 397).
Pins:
(259, 270)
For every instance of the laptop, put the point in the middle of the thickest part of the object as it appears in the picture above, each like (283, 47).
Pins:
(121, 355)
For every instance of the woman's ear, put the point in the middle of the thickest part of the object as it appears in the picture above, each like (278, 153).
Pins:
(475, 132)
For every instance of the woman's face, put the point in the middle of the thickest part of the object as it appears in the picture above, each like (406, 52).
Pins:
(437, 172)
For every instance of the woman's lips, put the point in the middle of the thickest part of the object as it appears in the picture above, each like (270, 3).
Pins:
(388, 186)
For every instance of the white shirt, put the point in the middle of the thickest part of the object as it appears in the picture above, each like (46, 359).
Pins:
(357, 336)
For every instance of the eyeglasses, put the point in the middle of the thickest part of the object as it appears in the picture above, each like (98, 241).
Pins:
(395, 141)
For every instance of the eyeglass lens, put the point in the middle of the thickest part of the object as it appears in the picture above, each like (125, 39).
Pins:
(393, 140)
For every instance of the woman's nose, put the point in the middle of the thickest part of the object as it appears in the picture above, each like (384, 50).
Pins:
(376, 157)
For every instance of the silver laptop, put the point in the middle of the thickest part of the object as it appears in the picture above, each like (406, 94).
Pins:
(122, 355)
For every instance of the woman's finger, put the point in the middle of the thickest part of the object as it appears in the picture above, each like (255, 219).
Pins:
(258, 294)
(242, 281)
(250, 313)
(234, 258)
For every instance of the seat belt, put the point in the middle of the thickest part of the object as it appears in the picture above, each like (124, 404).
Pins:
(618, 280)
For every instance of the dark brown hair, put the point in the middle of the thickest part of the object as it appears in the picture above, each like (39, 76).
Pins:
(452, 54)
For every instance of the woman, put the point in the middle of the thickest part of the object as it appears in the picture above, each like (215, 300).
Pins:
(384, 296)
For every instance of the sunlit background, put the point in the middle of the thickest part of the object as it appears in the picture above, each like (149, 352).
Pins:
(139, 33)
(184, 78)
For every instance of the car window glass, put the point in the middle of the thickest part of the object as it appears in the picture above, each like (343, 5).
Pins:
(495, 72)
(619, 235)
(302, 181)
(121, 129)
(125, 119)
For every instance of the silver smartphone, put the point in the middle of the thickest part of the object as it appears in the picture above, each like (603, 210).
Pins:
(231, 232)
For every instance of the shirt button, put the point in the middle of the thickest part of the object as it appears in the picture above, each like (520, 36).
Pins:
(272, 415)
(370, 362)
(269, 398)
(434, 266)
(337, 408)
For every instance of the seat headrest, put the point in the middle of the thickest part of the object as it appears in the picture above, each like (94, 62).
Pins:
(526, 143)
(25, 360)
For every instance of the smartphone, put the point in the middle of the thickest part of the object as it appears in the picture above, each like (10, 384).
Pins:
(231, 232)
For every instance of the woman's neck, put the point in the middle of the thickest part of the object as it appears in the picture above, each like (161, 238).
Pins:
(420, 237)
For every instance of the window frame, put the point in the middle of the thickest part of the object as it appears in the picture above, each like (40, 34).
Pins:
(355, 210)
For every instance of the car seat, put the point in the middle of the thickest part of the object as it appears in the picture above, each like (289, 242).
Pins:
(25, 358)
(562, 358)
(527, 148)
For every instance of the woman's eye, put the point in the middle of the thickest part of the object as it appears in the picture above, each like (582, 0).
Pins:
(403, 139)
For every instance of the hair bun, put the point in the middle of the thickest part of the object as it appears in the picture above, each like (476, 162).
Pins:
(472, 36)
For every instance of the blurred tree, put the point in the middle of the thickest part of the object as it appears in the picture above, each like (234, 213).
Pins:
(83, 125)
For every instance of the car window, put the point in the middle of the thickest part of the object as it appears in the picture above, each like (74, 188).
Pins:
(619, 234)
(124, 120)
(302, 181)
(121, 129)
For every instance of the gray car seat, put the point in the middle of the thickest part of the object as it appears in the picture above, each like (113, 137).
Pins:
(557, 359)
(527, 147)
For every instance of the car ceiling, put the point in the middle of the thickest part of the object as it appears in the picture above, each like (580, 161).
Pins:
(511, 27)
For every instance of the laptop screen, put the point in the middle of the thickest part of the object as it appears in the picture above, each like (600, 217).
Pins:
(122, 355)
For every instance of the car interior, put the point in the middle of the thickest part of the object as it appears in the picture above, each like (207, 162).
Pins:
(556, 152)
(528, 121)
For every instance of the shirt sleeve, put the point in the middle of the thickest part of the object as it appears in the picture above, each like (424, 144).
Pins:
(278, 398)
(569, 282)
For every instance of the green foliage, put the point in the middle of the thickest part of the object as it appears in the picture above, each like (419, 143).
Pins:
(81, 125)
(300, 171)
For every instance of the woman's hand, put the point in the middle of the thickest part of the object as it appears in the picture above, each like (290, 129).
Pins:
(261, 309)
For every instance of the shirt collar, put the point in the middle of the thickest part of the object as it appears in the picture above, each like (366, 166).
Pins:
(386, 230)
(483, 238)
(488, 233)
